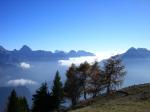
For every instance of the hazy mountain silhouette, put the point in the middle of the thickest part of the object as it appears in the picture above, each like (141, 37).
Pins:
(27, 54)
(137, 63)
(139, 53)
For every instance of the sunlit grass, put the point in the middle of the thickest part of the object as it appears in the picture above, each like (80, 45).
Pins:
(132, 103)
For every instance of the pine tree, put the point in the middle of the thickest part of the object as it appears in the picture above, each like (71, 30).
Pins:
(114, 72)
(12, 102)
(17, 104)
(41, 99)
(57, 91)
(73, 85)
(22, 105)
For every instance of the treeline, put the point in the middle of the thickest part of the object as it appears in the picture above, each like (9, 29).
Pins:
(82, 81)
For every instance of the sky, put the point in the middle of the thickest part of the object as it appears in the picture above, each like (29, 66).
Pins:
(98, 26)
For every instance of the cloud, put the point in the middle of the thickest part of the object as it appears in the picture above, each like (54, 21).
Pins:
(25, 65)
(99, 57)
(78, 60)
(21, 82)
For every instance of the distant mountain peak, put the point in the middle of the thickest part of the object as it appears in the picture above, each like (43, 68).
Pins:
(72, 51)
(59, 51)
(25, 48)
(135, 53)
(131, 49)
(2, 48)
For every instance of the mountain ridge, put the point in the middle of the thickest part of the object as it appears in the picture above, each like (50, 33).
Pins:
(27, 54)
(136, 53)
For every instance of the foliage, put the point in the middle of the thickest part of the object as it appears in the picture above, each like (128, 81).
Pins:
(41, 99)
(96, 80)
(84, 70)
(114, 73)
(57, 92)
(17, 104)
(73, 84)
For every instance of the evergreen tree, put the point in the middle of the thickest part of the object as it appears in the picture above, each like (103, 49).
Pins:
(73, 84)
(41, 99)
(17, 104)
(57, 91)
(12, 102)
(114, 72)
(84, 70)
(22, 105)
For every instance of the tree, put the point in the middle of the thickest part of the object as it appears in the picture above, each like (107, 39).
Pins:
(41, 99)
(17, 104)
(57, 91)
(114, 73)
(96, 80)
(73, 84)
(84, 70)
(22, 105)
(12, 102)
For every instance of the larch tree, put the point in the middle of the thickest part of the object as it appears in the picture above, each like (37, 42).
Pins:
(73, 85)
(84, 71)
(96, 79)
(114, 73)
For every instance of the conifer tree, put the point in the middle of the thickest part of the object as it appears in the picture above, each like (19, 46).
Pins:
(41, 99)
(57, 91)
(84, 70)
(22, 105)
(96, 79)
(12, 102)
(114, 73)
(73, 84)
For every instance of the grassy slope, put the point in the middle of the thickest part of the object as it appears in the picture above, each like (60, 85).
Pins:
(138, 100)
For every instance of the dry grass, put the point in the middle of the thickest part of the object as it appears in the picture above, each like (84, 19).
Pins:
(138, 100)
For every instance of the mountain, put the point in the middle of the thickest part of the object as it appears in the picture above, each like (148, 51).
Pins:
(139, 53)
(37, 65)
(25, 49)
(27, 54)
(137, 63)
(5, 92)
(2, 49)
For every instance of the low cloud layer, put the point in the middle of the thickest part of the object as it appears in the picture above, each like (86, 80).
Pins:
(21, 82)
(24, 65)
(79, 60)
(99, 57)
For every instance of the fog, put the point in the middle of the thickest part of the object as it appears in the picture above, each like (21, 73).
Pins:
(138, 71)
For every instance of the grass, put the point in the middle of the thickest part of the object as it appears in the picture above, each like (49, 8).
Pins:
(138, 100)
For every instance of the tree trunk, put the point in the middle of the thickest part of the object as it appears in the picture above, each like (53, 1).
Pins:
(85, 95)
(108, 88)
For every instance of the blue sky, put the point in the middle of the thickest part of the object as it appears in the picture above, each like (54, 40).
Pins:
(92, 25)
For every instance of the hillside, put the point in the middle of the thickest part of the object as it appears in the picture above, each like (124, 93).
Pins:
(137, 100)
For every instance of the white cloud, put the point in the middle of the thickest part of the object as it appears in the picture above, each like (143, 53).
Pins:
(21, 82)
(25, 65)
(77, 60)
